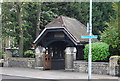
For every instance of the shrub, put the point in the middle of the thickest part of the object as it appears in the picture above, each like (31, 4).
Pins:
(100, 51)
(119, 61)
(119, 67)
(29, 53)
(1, 56)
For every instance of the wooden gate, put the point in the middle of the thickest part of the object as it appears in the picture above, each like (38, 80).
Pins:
(47, 61)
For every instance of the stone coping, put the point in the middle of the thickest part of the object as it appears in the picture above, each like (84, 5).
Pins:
(77, 61)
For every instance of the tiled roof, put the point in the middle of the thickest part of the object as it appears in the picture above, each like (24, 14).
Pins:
(74, 27)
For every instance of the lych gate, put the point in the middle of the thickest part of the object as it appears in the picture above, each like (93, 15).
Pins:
(60, 43)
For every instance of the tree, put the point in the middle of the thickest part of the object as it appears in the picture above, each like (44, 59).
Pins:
(111, 34)
(13, 24)
(35, 16)
(19, 20)
(38, 19)
(9, 24)
(102, 12)
(0, 31)
(80, 11)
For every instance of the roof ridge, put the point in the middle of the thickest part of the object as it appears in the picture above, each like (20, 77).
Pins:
(63, 23)
(53, 21)
(68, 17)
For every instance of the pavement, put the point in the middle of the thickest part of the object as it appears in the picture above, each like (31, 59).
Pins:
(14, 77)
(48, 74)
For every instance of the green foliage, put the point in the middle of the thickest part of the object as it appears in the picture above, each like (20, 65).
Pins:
(101, 13)
(100, 51)
(111, 34)
(119, 61)
(29, 53)
(29, 21)
(49, 11)
(47, 17)
(1, 56)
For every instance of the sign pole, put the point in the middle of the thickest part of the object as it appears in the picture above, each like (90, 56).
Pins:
(1, 33)
(90, 36)
(90, 40)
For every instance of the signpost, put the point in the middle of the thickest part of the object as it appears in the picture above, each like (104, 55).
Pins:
(90, 36)
(93, 36)
(90, 54)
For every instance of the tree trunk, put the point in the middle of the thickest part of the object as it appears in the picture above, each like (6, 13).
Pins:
(19, 13)
(38, 20)
(0, 31)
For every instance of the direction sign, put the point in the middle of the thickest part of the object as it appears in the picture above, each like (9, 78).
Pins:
(90, 53)
(93, 36)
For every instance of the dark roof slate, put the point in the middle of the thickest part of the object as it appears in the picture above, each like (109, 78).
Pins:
(74, 27)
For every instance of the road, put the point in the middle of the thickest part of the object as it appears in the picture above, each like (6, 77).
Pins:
(14, 77)
(25, 74)
(18, 78)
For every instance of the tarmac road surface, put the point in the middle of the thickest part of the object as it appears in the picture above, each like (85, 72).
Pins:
(25, 74)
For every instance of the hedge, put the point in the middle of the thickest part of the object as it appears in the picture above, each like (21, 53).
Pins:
(100, 51)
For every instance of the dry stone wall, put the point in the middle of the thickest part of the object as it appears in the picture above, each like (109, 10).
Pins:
(21, 62)
(97, 67)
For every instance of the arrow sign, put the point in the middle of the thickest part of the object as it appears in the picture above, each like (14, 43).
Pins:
(93, 36)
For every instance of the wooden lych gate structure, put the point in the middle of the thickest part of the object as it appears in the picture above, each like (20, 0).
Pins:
(61, 33)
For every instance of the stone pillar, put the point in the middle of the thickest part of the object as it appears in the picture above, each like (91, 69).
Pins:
(69, 57)
(39, 51)
(113, 65)
(8, 54)
(74, 52)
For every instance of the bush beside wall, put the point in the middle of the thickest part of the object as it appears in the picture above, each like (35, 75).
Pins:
(100, 51)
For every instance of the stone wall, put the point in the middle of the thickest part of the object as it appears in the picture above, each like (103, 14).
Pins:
(113, 65)
(78, 66)
(21, 62)
(97, 67)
